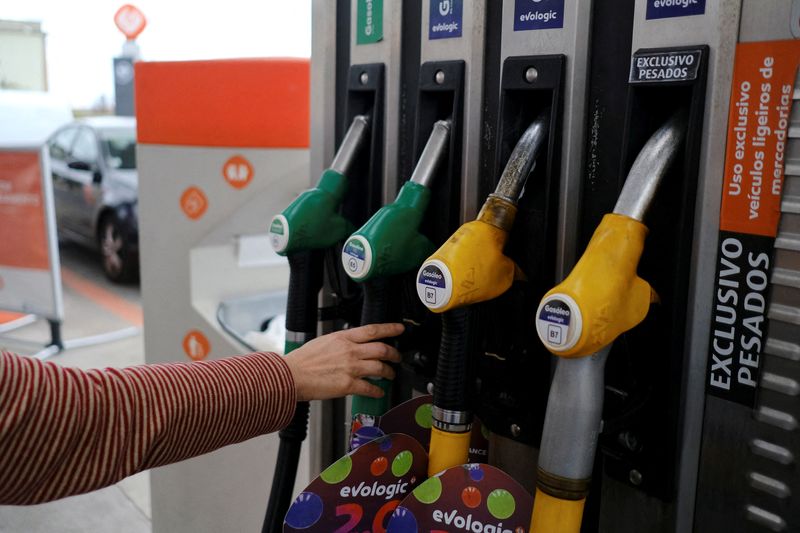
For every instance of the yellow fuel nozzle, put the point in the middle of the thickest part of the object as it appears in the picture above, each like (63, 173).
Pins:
(471, 266)
(603, 296)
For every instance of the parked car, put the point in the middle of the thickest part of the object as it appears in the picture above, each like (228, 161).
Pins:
(95, 185)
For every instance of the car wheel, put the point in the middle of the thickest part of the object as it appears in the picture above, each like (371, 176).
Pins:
(119, 263)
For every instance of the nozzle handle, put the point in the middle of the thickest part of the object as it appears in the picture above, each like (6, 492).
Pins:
(451, 390)
(650, 166)
(351, 144)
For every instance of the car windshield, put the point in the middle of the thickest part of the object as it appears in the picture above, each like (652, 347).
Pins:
(120, 148)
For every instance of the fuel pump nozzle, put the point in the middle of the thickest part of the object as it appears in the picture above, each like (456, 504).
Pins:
(470, 268)
(390, 244)
(579, 320)
(302, 232)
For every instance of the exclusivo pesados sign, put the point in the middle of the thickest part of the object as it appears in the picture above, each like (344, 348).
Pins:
(758, 123)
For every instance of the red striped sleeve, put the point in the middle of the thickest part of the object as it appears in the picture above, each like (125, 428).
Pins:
(65, 431)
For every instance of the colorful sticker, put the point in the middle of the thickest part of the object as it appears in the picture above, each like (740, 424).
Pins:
(471, 497)
(758, 122)
(369, 21)
(357, 257)
(538, 14)
(661, 9)
(238, 172)
(446, 17)
(434, 284)
(413, 418)
(360, 491)
(196, 345)
(194, 203)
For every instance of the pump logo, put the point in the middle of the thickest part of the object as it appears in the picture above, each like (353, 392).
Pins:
(238, 172)
(538, 14)
(661, 9)
(362, 490)
(468, 523)
(279, 233)
(445, 19)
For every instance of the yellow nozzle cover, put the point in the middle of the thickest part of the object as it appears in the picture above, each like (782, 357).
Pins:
(554, 515)
(469, 268)
(447, 450)
(602, 297)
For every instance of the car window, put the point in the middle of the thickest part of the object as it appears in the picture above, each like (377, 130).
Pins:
(62, 142)
(120, 147)
(85, 147)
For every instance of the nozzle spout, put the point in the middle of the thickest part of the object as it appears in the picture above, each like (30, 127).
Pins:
(650, 166)
(521, 161)
(432, 154)
(351, 144)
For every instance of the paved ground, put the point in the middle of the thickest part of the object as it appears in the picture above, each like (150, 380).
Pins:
(92, 306)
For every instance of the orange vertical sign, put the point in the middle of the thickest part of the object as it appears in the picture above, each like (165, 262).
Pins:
(761, 102)
(23, 229)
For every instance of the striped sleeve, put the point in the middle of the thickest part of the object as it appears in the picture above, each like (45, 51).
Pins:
(65, 431)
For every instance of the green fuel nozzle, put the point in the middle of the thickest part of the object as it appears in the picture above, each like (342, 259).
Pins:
(390, 242)
(312, 221)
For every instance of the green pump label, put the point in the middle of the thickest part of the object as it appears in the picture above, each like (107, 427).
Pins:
(279, 233)
(369, 21)
(357, 257)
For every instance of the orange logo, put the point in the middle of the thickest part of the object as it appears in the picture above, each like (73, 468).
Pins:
(238, 172)
(194, 203)
(130, 21)
(196, 345)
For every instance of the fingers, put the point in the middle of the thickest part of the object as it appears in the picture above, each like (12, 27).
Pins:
(372, 332)
(374, 369)
(377, 350)
(364, 388)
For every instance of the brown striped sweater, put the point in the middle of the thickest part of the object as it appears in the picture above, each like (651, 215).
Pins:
(65, 431)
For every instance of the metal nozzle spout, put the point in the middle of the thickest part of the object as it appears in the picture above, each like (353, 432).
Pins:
(351, 144)
(649, 168)
(432, 154)
(521, 160)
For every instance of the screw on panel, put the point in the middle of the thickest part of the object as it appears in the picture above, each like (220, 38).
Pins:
(439, 77)
(430, 388)
(364, 78)
(635, 477)
(516, 430)
(531, 75)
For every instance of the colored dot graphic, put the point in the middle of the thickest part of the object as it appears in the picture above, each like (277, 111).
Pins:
(501, 504)
(471, 497)
(429, 491)
(338, 471)
(305, 511)
(402, 463)
(379, 466)
(475, 472)
(423, 416)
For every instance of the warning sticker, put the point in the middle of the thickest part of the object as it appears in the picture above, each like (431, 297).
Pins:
(672, 65)
(760, 106)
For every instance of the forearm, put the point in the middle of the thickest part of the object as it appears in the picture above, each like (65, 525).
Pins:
(66, 431)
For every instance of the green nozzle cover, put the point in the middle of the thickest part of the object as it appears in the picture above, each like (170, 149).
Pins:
(390, 242)
(312, 221)
(373, 406)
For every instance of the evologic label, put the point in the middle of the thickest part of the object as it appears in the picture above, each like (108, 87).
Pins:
(671, 65)
(558, 322)
(538, 14)
(446, 19)
(434, 284)
(661, 9)
(279, 233)
(357, 257)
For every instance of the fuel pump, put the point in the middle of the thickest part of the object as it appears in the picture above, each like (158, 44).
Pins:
(470, 268)
(579, 320)
(302, 232)
(390, 244)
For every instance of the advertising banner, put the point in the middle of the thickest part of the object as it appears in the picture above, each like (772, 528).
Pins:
(30, 280)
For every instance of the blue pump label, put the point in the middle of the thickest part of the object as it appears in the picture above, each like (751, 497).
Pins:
(662, 9)
(538, 14)
(558, 322)
(434, 284)
(446, 17)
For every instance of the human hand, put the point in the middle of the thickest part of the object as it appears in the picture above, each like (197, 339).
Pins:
(335, 364)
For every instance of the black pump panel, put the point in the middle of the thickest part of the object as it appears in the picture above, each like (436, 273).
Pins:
(513, 366)
(643, 376)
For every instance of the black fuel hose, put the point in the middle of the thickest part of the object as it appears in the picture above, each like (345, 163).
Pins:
(451, 388)
(305, 282)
